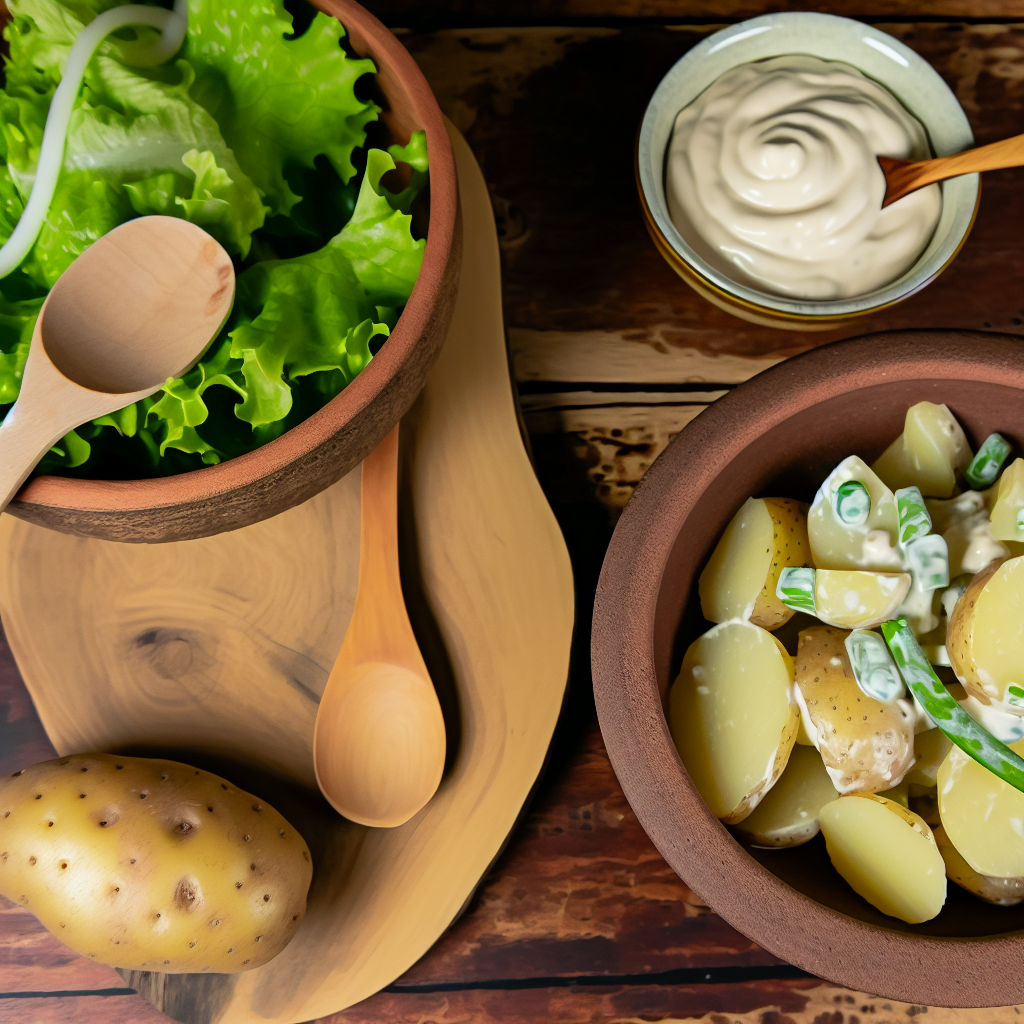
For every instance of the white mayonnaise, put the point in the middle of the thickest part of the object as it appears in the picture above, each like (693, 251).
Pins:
(772, 176)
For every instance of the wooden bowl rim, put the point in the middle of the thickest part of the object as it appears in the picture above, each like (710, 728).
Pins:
(57, 492)
(984, 971)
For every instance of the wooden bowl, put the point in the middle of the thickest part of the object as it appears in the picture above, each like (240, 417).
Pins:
(780, 434)
(323, 448)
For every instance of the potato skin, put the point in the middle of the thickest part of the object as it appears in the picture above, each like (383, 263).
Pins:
(151, 865)
(867, 745)
(792, 548)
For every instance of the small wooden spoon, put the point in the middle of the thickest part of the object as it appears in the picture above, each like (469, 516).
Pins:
(905, 176)
(138, 306)
(379, 740)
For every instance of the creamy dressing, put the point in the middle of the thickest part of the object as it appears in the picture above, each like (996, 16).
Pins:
(772, 176)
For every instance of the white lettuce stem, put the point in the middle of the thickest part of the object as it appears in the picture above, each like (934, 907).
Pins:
(172, 26)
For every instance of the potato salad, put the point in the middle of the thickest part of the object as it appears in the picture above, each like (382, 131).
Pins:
(864, 673)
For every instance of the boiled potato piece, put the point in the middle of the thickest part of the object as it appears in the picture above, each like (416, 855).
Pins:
(732, 717)
(788, 815)
(1003, 892)
(929, 453)
(151, 865)
(870, 544)
(867, 745)
(1008, 506)
(930, 750)
(985, 639)
(887, 854)
(982, 815)
(851, 599)
(765, 536)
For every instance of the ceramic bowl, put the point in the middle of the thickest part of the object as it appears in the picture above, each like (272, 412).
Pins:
(879, 56)
(780, 434)
(322, 449)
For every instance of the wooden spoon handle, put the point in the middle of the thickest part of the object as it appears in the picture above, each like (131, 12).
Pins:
(24, 440)
(903, 177)
(380, 629)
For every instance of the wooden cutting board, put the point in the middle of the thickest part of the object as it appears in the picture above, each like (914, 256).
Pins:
(216, 651)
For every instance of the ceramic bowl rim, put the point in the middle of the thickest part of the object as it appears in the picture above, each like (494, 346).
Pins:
(960, 196)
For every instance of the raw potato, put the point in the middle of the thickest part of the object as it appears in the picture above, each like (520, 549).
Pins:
(982, 815)
(765, 536)
(887, 854)
(929, 453)
(788, 815)
(1003, 892)
(838, 545)
(1008, 505)
(851, 599)
(732, 717)
(867, 745)
(985, 640)
(151, 865)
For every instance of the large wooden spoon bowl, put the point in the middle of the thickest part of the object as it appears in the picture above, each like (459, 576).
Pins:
(322, 449)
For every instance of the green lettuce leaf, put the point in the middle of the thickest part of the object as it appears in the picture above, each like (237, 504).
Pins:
(215, 139)
(289, 100)
(378, 240)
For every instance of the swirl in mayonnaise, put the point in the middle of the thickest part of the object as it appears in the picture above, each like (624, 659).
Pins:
(772, 177)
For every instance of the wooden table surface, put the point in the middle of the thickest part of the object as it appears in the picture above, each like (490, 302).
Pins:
(580, 919)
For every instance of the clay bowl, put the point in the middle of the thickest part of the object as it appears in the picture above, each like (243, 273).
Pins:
(322, 449)
(781, 433)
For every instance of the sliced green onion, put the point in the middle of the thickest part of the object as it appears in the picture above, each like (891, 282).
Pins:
(852, 503)
(985, 466)
(795, 588)
(913, 514)
(873, 667)
(929, 562)
(939, 704)
(1015, 696)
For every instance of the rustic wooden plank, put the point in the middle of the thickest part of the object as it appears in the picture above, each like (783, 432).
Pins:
(430, 14)
(22, 739)
(774, 1002)
(79, 1009)
(582, 890)
(552, 114)
(33, 960)
(585, 398)
(615, 443)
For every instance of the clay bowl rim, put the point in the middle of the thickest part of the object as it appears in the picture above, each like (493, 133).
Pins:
(916, 968)
(369, 36)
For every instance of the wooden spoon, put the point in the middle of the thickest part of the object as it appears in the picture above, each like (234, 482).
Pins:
(905, 176)
(138, 306)
(379, 740)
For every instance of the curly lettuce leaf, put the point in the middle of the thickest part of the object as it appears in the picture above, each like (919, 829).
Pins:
(378, 240)
(277, 100)
(129, 126)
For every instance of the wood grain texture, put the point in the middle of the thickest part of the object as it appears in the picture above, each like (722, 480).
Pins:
(216, 650)
(775, 1002)
(426, 14)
